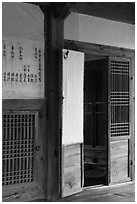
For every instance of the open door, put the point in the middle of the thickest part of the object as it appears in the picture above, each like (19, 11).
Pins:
(72, 122)
(95, 122)
(107, 137)
(119, 120)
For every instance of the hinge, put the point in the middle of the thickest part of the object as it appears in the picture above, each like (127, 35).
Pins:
(66, 54)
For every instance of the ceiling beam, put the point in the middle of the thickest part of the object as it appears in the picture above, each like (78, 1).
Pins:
(117, 11)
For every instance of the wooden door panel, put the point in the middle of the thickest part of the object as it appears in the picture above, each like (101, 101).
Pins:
(119, 119)
(119, 160)
(72, 122)
(71, 175)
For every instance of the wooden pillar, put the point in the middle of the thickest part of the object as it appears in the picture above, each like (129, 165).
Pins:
(54, 42)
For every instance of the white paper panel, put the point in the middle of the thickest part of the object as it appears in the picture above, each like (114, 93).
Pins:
(22, 68)
(22, 20)
(73, 73)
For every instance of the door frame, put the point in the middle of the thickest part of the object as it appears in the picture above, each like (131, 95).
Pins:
(95, 66)
(111, 51)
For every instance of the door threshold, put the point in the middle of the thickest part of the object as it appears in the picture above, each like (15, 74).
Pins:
(107, 186)
(94, 186)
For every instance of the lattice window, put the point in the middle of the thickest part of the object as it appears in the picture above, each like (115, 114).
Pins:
(18, 147)
(119, 97)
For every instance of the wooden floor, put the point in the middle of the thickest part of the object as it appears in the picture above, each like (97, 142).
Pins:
(115, 193)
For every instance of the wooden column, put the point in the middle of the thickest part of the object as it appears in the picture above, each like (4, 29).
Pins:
(54, 38)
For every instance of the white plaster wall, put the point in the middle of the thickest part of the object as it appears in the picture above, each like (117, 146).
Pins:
(22, 26)
(99, 31)
(22, 20)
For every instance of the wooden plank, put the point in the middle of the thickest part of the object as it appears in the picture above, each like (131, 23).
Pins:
(96, 49)
(72, 150)
(72, 161)
(22, 104)
(119, 138)
(21, 193)
(119, 160)
(119, 169)
(71, 170)
(68, 189)
(119, 148)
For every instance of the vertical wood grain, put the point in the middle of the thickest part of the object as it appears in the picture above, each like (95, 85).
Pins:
(71, 169)
(53, 47)
(119, 161)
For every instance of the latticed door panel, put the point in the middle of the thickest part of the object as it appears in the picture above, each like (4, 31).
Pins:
(119, 121)
(119, 97)
(19, 138)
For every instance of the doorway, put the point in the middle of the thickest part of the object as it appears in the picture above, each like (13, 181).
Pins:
(106, 121)
(95, 121)
(111, 158)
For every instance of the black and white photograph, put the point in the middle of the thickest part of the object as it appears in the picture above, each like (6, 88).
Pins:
(68, 101)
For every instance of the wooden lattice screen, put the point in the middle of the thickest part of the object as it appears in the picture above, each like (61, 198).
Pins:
(18, 147)
(119, 97)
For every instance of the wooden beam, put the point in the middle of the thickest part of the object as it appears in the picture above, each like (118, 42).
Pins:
(54, 42)
(96, 49)
(116, 11)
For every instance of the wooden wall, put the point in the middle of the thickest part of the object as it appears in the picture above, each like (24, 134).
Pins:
(21, 30)
(30, 191)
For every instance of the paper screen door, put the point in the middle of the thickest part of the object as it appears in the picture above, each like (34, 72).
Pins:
(72, 122)
(119, 119)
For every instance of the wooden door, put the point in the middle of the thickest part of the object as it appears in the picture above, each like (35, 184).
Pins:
(72, 122)
(119, 119)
